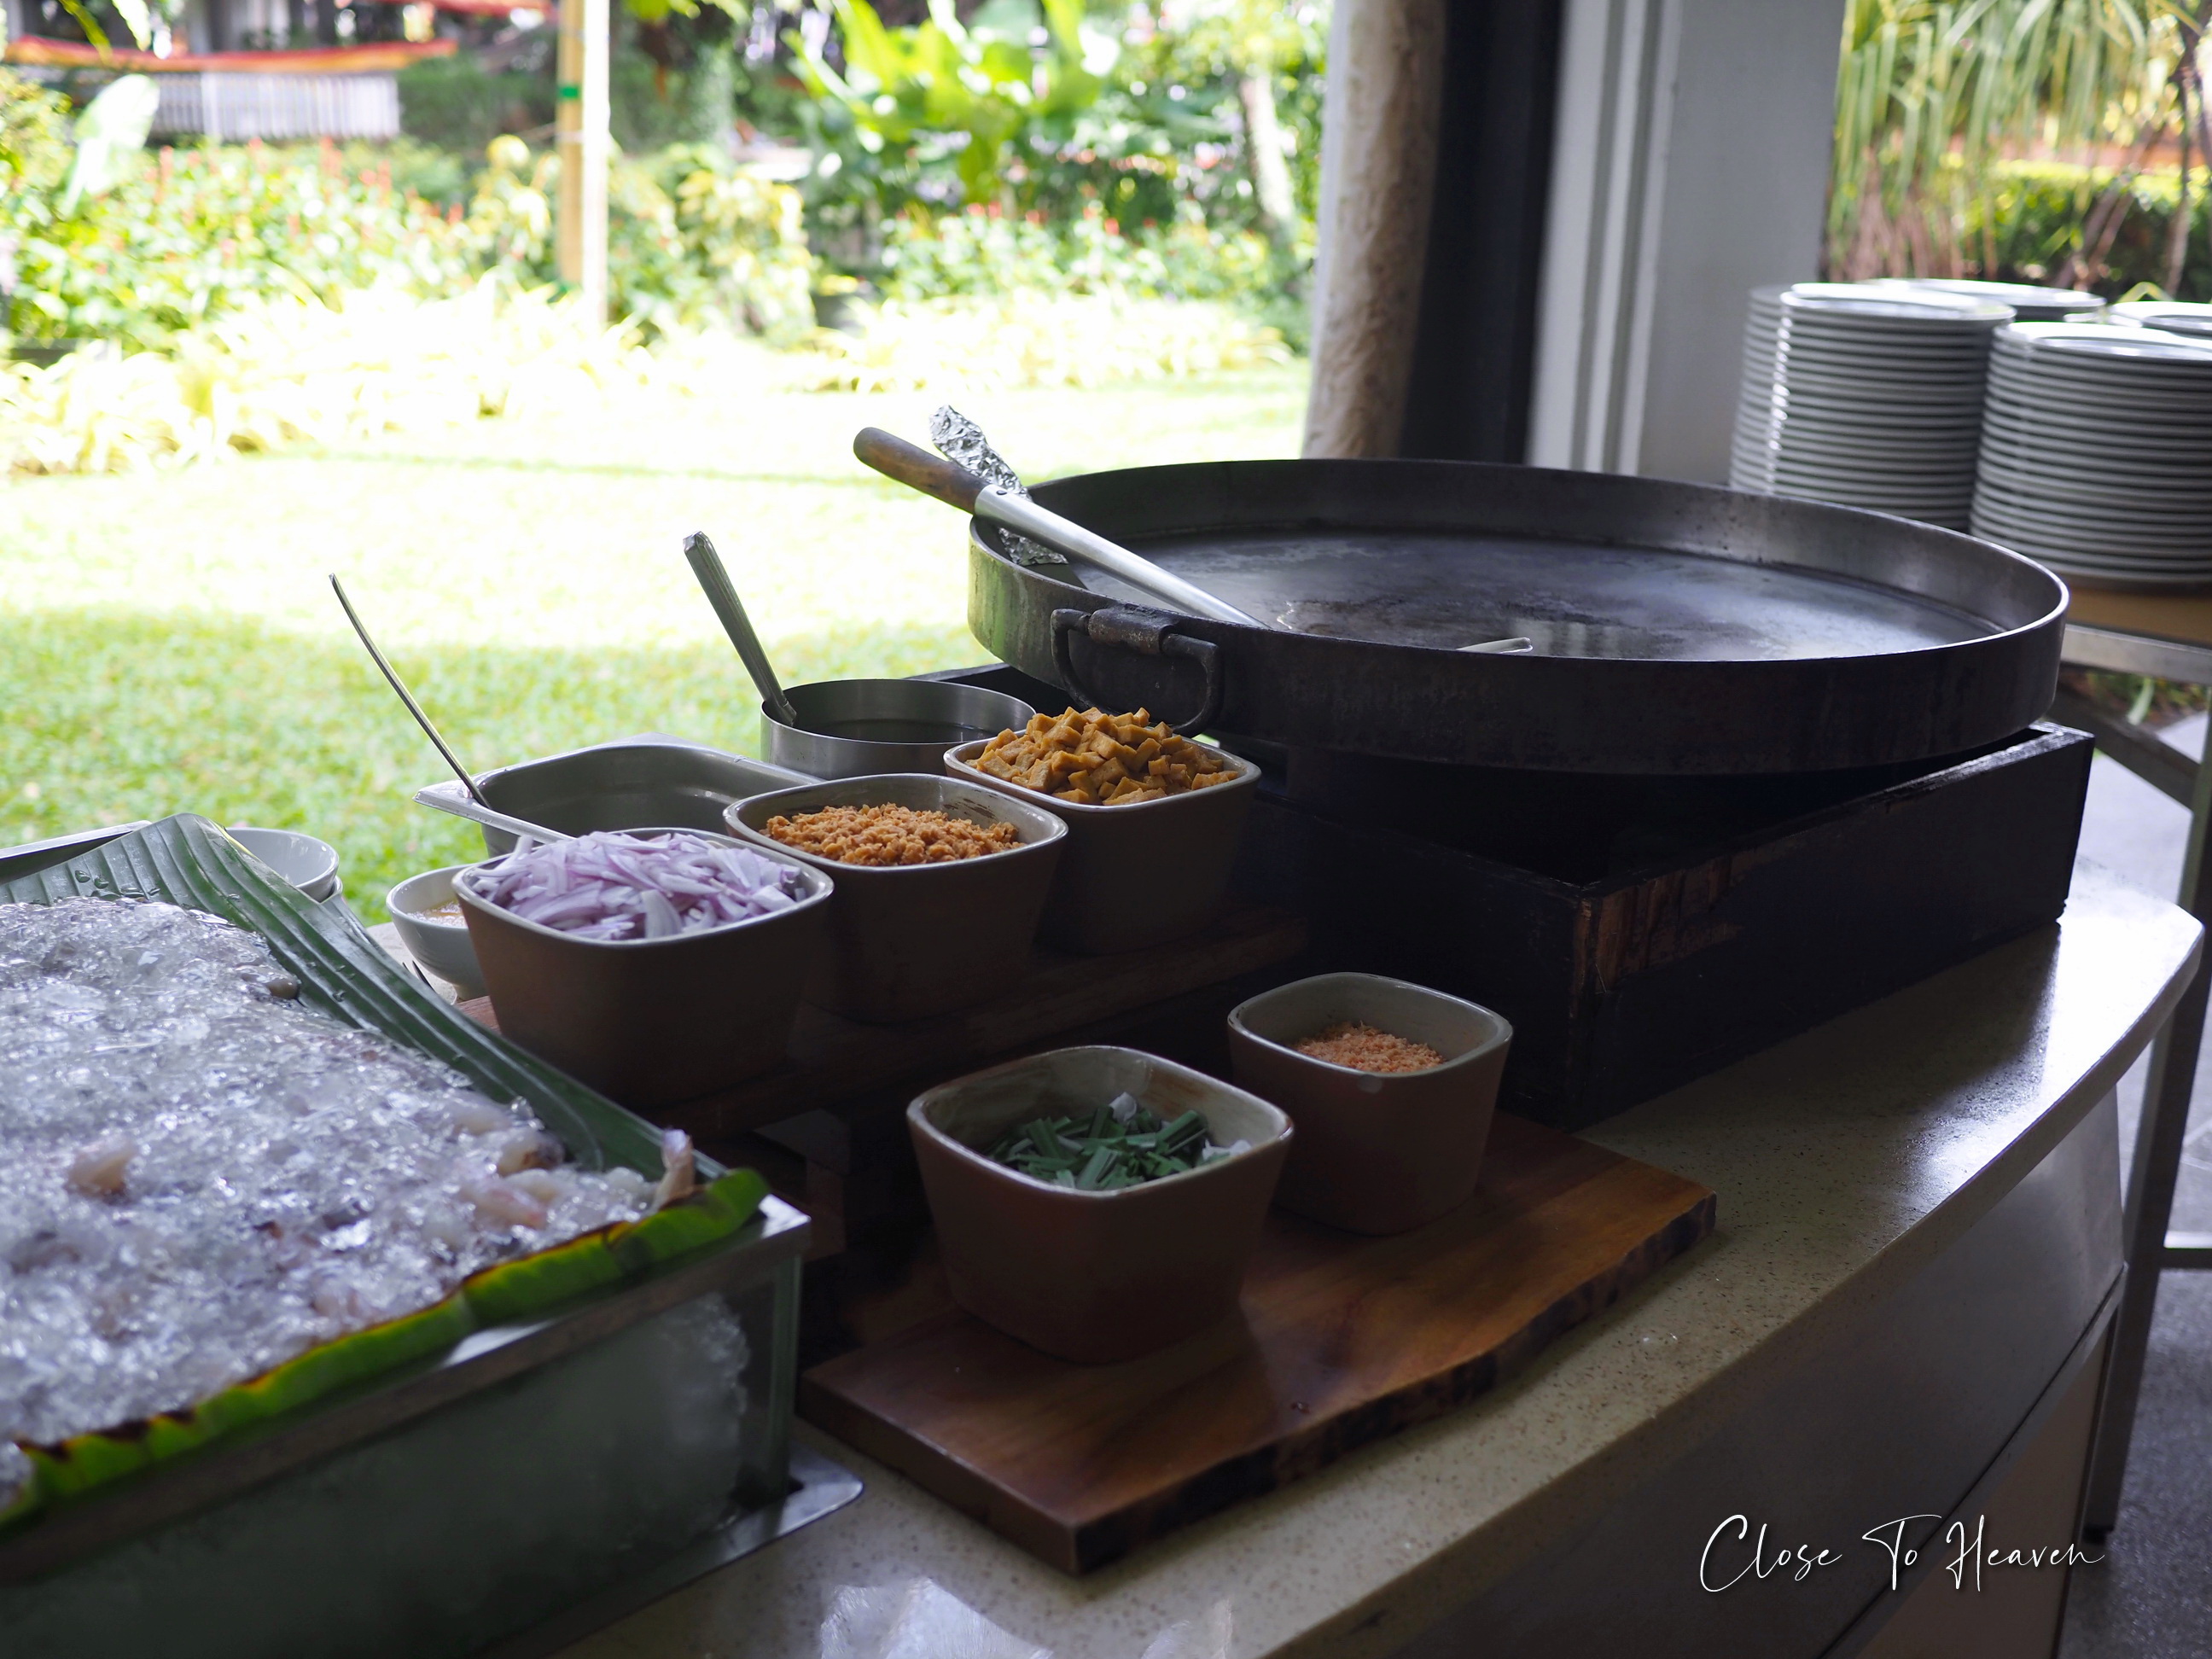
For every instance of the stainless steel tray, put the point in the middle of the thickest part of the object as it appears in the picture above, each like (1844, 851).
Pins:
(648, 781)
(31, 856)
(767, 1251)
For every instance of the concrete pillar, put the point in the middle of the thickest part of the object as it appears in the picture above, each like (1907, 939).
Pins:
(1378, 174)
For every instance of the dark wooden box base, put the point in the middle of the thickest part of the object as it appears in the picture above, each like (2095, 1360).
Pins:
(1642, 933)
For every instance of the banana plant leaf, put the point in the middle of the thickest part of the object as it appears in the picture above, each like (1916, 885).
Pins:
(186, 861)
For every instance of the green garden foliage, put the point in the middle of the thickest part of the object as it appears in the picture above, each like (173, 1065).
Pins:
(1034, 149)
(1135, 141)
(460, 105)
(975, 98)
(1936, 102)
(191, 235)
(35, 137)
(2030, 213)
(693, 241)
(980, 251)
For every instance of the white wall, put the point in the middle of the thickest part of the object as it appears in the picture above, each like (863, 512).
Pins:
(1690, 166)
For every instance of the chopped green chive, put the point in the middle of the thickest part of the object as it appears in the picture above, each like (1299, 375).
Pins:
(1118, 1144)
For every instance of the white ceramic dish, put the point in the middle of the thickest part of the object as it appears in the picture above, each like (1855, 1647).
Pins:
(309, 864)
(442, 946)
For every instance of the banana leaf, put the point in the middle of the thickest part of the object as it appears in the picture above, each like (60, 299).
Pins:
(186, 861)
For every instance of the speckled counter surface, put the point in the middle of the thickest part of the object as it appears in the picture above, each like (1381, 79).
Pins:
(1845, 1160)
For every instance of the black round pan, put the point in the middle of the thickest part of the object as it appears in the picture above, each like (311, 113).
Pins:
(1678, 629)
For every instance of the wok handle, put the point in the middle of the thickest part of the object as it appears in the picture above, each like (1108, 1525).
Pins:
(917, 469)
(1147, 633)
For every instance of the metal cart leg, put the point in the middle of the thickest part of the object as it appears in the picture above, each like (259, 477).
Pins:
(2154, 1169)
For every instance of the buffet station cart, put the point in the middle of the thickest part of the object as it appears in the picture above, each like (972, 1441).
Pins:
(1436, 1058)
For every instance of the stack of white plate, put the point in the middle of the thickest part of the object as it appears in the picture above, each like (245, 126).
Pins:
(2174, 316)
(2029, 303)
(2097, 452)
(1865, 394)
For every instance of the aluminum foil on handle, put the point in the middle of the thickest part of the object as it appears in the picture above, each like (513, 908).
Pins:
(959, 440)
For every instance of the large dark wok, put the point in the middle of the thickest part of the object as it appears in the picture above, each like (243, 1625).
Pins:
(1678, 629)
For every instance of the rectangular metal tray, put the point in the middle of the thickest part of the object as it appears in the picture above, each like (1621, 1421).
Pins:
(346, 974)
(652, 780)
(770, 1246)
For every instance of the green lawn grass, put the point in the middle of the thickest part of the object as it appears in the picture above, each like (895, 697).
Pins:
(168, 643)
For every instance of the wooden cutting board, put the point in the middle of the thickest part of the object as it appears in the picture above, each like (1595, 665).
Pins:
(1342, 1341)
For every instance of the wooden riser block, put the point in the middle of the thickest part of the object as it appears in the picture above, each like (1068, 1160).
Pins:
(833, 1059)
(1342, 1341)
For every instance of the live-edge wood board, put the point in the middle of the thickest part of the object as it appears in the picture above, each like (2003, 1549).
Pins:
(1342, 1341)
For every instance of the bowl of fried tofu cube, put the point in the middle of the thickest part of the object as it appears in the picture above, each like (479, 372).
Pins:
(1153, 821)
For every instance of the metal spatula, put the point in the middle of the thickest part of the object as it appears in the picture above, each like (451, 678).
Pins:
(954, 484)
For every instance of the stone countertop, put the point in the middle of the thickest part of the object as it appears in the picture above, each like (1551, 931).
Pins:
(1845, 1160)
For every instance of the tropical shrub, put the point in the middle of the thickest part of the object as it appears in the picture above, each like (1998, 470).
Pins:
(981, 252)
(2028, 217)
(192, 235)
(976, 100)
(1936, 96)
(1153, 131)
(693, 241)
(294, 368)
(34, 141)
(458, 105)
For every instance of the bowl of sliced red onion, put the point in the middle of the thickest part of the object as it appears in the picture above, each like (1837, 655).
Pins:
(656, 965)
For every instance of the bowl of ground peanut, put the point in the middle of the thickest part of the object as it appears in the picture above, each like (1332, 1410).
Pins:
(1152, 821)
(1391, 1086)
(940, 885)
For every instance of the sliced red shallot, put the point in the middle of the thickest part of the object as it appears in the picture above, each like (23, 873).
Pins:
(612, 885)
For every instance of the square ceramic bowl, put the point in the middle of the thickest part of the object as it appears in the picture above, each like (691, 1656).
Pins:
(1377, 1151)
(913, 940)
(1099, 1276)
(650, 1022)
(1135, 875)
(442, 946)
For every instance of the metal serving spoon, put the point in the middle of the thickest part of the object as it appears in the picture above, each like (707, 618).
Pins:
(707, 566)
(472, 804)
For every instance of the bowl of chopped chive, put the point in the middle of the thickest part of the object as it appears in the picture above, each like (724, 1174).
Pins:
(1098, 1203)
(1391, 1085)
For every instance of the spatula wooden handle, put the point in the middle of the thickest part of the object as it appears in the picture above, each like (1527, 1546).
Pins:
(916, 468)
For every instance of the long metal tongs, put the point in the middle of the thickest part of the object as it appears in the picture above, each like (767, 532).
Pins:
(474, 807)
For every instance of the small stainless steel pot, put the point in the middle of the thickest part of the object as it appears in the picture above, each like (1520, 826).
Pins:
(864, 728)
